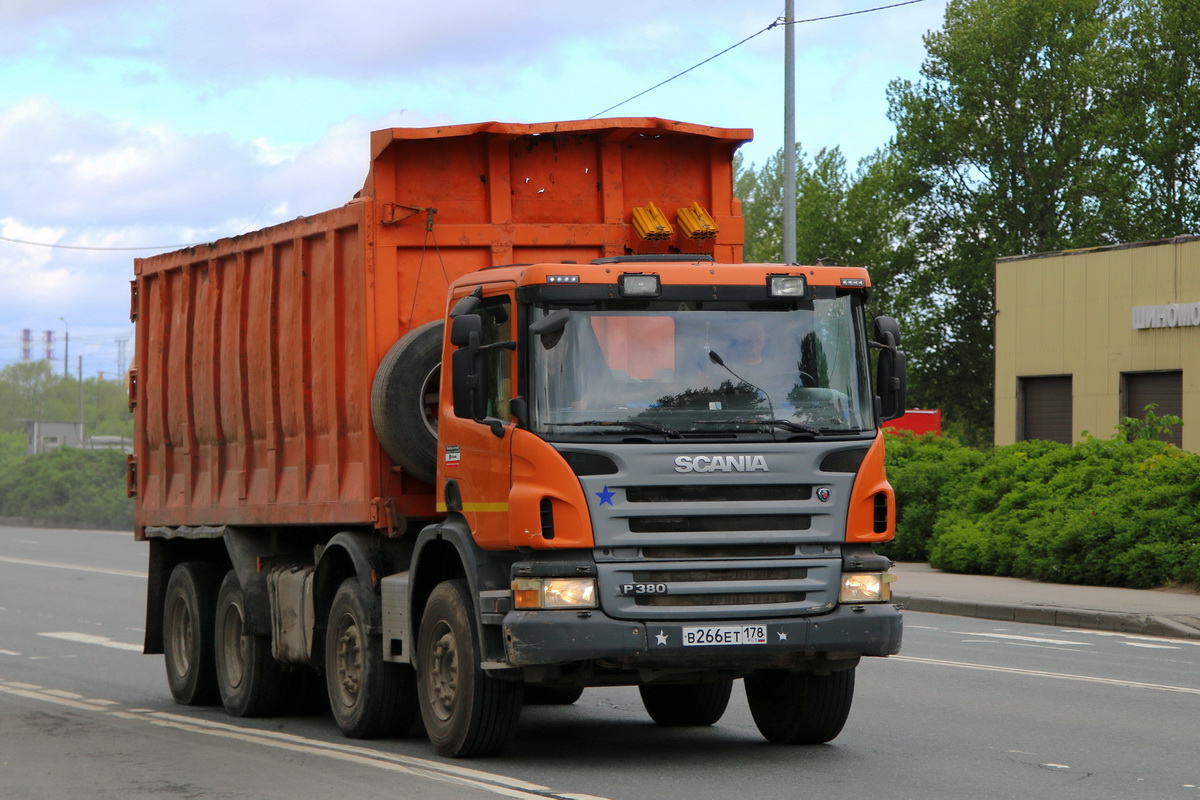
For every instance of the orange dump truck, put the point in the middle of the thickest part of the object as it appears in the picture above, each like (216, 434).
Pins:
(514, 422)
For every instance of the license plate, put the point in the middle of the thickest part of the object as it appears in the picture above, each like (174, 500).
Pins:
(725, 634)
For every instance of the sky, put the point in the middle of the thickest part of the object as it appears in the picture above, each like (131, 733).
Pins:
(154, 124)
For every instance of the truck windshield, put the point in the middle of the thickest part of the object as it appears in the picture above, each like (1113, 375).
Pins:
(682, 371)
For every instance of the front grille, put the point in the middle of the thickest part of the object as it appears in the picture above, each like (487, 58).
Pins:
(728, 589)
(720, 493)
(720, 551)
(720, 523)
(691, 600)
(735, 574)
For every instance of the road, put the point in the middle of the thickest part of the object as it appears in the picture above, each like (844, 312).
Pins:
(971, 709)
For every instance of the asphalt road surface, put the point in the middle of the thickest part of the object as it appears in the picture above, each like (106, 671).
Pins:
(970, 709)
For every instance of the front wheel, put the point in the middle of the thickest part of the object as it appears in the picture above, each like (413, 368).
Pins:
(252, 683)
(466, 712)
(188, 633)
(686, 704)
(799, 707)
(369, 697)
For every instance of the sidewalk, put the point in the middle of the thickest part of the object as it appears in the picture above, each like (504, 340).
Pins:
(920, 587)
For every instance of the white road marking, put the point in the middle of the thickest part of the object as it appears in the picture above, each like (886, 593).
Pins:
(1137, 638)
(1062, 676)
(8, 653)
(1021, 644)
(1014, 638)
(392, 762)
(91, 638)
(1148, 646)
(29, 562)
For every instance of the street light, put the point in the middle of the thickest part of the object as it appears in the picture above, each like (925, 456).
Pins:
(66, 345)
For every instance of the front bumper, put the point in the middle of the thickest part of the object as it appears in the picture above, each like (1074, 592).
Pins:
(556, 637)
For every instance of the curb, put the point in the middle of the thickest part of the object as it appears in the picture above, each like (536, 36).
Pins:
(1143, 624)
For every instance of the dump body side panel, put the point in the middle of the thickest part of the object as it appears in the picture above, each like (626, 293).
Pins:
(254, 367)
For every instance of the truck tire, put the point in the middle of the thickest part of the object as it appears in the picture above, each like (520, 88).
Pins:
(551, 695)
(800, 707)
(251, 682)
(188, 612)
(686, 704)
(369, 697)
(466, 712)
(404, 400)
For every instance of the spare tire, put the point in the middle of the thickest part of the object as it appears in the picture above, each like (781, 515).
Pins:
(404, 400)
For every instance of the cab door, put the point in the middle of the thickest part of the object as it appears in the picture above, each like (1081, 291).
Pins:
(475, 464)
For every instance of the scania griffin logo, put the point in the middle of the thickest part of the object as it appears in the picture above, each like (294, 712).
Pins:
(721, 464)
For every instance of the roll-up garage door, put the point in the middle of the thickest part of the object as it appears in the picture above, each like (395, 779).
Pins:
(1165, 389)
(1045, 409)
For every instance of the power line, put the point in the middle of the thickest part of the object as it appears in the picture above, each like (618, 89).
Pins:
(778, 21)
(106, 249)
(686, 71)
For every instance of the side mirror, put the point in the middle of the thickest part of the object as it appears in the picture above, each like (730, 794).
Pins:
(466, 331)
(466, 366)
(466, 377)
(891, 377)
(885, 327)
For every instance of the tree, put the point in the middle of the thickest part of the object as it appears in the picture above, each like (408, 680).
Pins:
(1153, 54)
(841, 218)
(32, 391)
(1036, 125)
(999, 153)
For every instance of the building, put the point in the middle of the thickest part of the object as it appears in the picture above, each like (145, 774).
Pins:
(44, 435)
(1086, 337)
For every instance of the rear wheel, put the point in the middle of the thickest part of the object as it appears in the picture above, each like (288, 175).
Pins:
(800, 707)
(251, 682)
(686, 704)
(466, 712)
(368, 696)
(188, 611)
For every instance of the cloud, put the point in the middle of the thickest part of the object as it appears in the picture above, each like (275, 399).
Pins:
(121, 186)
(227, 43)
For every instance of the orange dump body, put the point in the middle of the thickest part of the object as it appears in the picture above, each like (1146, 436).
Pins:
(255, 354)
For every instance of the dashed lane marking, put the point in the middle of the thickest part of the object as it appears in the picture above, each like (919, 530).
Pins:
(1033, 673)
(29, 562)
(90, 638)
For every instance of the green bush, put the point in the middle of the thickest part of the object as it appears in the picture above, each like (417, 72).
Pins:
(921, 470)
(68, 487)
(1120, 512)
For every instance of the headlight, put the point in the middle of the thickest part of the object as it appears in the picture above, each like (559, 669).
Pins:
(866, 587)
(529, 593)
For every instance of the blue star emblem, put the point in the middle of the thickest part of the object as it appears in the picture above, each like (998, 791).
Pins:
(606, 497)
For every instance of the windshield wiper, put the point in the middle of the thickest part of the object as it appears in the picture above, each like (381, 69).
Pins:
(633, 423)
(786, 424)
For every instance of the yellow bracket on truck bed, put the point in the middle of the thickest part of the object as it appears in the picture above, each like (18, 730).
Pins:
(696, 223)
(651, 224)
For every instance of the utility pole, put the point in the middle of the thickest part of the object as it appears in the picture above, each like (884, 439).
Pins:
(67, 345)
(121, 356)
(789, 133)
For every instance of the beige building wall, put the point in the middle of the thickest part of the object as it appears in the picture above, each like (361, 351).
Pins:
(1072, 313)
